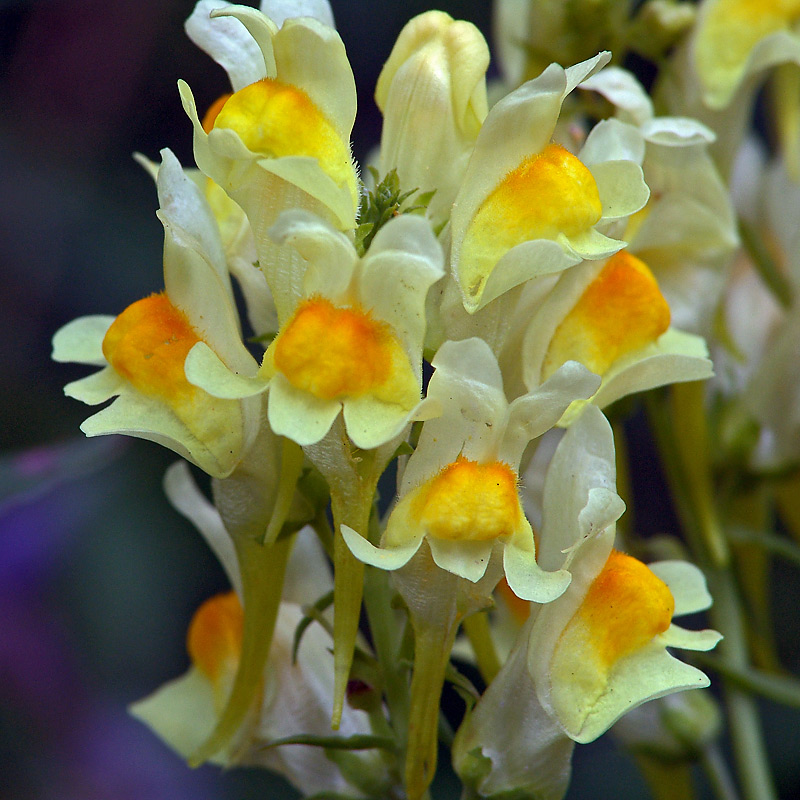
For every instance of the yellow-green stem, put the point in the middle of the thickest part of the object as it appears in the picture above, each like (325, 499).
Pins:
(479, 634)
(348, 589)
(432, 646)
(691, 440)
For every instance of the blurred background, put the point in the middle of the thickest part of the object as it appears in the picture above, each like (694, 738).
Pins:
(98, 576)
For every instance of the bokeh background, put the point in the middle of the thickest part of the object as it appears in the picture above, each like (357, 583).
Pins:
(98, 576)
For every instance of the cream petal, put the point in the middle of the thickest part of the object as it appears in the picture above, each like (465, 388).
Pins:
(186, 498)
(329, 257)
(675, 636)
(389, 558)
(621, 88)
(311, 55)
(528, 580)
(687, 584)
(592, 245)
(677, 132)
(204, 368)
(306, 173)
(612, 140)
(371, 422)
(297, 414)
(534, 413)
(134, 414)
(97, 388)
(308, 573)
(675, 357)
(645, 674)
(406, 250)
(191, 221)
(465, 559)
(228, 42)
(281, 10)
(180, 712)
(262, 31)
(81, 341)
(622, 188)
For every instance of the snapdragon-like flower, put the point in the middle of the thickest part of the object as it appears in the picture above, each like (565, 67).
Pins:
(611, 317)
(594, 653)
(734, 39)
(687, 231)
(142, 351)
(282, 139)
(353, 343)
(530, 207)
(296, 695)
(433, 81)
(459, 490)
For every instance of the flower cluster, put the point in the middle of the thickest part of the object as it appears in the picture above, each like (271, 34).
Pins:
(525, 256)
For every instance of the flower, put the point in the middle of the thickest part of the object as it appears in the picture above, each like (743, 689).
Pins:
(282, 139)
(433, 81)
(459, 489)
(529, 207)
(687, 231)
(353, 342)
(594, 653)
(737, 38)
(296, 695)
(611, 317)
(142, 351)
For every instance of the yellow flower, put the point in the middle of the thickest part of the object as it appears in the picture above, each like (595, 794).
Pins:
(143, 350)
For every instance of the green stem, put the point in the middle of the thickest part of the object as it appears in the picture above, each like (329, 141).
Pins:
(383, 629)
(692, 441)
(476, 626)
(432, 646)
(745, 725)
(717, 773)
(348, 589)
(762, 260)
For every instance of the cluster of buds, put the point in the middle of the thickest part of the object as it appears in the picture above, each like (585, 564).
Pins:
(459, 325)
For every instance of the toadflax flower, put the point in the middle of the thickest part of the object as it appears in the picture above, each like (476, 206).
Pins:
(528, 206)
(433, 81)
(611, 317)
(594, 653)
(142, 351)
(295, 697)
(353, 343)
(459, 490)
(282, 139)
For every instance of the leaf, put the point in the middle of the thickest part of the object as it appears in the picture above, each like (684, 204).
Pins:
(359, 741)
(313, 614)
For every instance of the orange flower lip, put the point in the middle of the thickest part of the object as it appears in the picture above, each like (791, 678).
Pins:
(468, 501)
(621, 310)
(147, 345)
(335, 353)
(214, 638)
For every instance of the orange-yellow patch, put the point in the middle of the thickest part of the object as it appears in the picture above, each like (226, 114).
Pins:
(213, 112)
(625, 607)
(147, 345)
(214, 639)
(622, 310)
(468, 501)
(548, 195)
(335, 353)
(277, 119)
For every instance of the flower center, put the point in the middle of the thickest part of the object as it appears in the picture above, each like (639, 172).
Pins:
(147, 345)
(277, 119)
(468, 501)
(548, 195)
(335, 352)
(622, 310)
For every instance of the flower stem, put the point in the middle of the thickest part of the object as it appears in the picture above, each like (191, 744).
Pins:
(477, 629)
